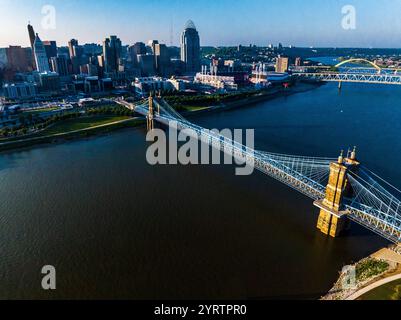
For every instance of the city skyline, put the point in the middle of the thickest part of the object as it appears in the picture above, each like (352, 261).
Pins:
(254, 21)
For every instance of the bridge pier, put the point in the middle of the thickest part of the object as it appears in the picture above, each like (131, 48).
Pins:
(340, 85)
(333, 219)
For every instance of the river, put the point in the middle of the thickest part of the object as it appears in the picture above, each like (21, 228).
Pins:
(116, 228)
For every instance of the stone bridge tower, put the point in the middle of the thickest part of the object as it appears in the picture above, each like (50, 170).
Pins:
(333, 217)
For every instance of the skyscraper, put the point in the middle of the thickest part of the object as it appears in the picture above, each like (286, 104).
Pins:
(60, 65)
(50, 48)
(71, 47)
(42, 63)
(32, 37)
(147, 64)
(139, 48)
(112, 50)
(190, 48)
(76, 53)
(162, 59)
(152, 44)
(18, 58)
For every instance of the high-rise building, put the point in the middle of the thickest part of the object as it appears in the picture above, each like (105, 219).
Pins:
(139, 48)
(71, 47)
(282, 64)
(32, 37)
(50, 48)
(18, 59)
(3, 57)
(162, 59)
(298, 62)
(76, 53)
(42, 63)
(93, 67)
(112, 50)
(190, 48)
(60, 65)
(134, 51)
(147, 64)
(152, 44)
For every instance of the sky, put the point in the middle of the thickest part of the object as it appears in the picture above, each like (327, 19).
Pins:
(220, 22)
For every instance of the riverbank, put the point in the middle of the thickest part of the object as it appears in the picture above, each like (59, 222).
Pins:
(261, 97)
(57, 137)
(380, 268)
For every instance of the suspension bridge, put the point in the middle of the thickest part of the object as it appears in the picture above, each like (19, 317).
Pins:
(342, 188)
(372, 74)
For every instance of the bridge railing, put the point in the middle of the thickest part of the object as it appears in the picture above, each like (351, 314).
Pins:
(372, 205)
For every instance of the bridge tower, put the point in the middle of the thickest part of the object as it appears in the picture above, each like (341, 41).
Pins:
(333, 218)
(150, 117)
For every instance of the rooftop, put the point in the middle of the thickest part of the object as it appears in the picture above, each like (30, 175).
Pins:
(190, 25)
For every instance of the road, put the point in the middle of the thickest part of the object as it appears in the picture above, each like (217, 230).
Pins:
(375, 285)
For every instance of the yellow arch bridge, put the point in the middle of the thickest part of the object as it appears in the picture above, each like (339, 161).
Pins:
(372, 74)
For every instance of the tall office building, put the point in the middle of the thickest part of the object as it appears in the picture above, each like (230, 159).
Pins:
(152, 44)
(60, 65)
(50, 48)
(139, 48)
(162, 59)
(190, 48)
(32, 37)
(76, 52)
(42, 63)
(135, 50)
(282, 64)
(112, 50)
(147, 64)
(18, 58)
(72, 44)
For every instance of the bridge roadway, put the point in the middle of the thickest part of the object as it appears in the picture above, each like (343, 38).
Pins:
(373, 78)
(372, 74)
(372, 206)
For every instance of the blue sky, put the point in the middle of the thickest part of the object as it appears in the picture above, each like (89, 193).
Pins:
(220, 22)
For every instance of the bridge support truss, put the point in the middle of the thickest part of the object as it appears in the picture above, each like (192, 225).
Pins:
(353, 193)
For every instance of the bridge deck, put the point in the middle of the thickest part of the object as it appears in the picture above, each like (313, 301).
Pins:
(373, 206)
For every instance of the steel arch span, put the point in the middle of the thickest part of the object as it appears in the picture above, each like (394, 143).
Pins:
(374, 65)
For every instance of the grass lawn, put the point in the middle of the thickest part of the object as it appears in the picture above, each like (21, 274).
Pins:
(389, 291)
(41, 110)
(81, 123)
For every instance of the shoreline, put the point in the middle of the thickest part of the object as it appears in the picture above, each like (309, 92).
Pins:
(114, 126)
(267, 96)
(390, 255)
(70, 135)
